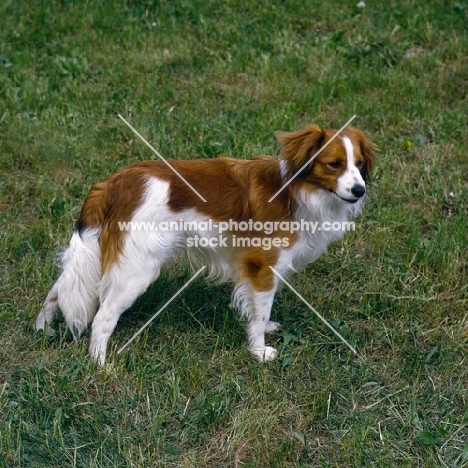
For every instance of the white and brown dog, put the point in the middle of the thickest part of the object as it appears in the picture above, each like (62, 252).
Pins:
(112, 267)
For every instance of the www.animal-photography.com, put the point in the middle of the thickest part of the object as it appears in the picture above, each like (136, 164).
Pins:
(233, 234)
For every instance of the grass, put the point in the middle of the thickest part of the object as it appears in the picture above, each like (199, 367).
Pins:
(203, 79)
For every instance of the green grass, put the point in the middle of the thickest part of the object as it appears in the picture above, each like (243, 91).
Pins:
(203, 79)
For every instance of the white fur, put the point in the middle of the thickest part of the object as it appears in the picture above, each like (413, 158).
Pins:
(283, 169)
(76, 290)
(319, 207)
(259, 320)
(351, 176)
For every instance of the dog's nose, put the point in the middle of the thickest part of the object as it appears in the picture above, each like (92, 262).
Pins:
(358, 191)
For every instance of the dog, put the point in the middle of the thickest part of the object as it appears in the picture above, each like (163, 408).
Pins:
(320, 178)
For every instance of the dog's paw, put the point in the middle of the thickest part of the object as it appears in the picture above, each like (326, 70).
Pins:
(272, 326)
(45, 327)
(268, 353)
(98, 354)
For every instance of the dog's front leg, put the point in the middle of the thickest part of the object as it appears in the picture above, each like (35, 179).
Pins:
(259, 324)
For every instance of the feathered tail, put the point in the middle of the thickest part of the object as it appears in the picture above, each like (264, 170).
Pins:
(76, 291)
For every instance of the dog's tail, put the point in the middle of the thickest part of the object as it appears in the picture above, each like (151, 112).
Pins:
(76, 292)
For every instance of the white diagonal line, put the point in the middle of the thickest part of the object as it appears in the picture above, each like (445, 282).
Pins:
(312, 158)
(317, 314)
(161, 309)
(160, 157)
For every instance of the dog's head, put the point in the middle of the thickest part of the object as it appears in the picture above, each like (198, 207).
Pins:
(339, 163)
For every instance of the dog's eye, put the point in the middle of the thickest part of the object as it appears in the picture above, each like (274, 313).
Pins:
(335, 164)
(359, 164)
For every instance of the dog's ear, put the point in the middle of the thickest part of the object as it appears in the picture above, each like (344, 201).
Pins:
(298, 147)
(368, 151)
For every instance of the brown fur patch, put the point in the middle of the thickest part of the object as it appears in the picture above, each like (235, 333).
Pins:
(301, 146)
(113, 200)
(255, 265)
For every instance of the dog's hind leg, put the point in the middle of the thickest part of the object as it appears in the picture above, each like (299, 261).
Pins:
(132, 273)
(121, 286)
(48, 311)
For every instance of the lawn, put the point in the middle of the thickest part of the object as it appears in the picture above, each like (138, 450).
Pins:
(200, 79)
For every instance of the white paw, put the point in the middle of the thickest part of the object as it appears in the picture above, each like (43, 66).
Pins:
(272, 326)
(98, 354)
(42, 325)
(265, 354)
